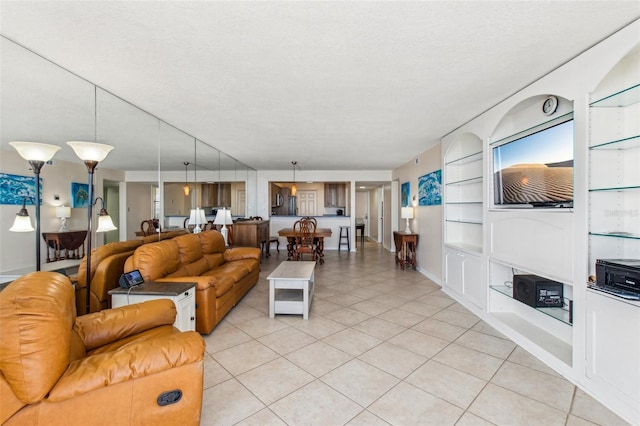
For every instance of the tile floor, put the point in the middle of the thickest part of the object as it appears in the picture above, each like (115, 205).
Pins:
(382, 346)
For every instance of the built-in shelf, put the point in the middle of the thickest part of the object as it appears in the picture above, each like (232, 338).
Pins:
(470, 248)
(476, 156)
(538, 336)
(463, 202)
(561, 314)
(615, 189)
(618, 144)
(615, 234)
(477, 179)
(623, 98)
(533, 129)
(475, 222)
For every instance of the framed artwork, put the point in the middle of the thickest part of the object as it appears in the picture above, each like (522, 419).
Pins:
(405, 194)
(13, 189)
(430, 189)
(79, 195)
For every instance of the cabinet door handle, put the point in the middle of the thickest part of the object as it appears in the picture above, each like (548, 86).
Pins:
(186, 293)
(193, 318)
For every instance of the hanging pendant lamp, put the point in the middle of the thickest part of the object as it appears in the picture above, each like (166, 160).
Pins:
(294, 189)
(186, 187)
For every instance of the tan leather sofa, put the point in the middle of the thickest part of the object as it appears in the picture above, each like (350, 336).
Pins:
(110, 367)
(107, 264)
(222, 275)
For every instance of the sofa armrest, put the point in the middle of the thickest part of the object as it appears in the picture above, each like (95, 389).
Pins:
(136, 360)
(237, 253)
(100, 328)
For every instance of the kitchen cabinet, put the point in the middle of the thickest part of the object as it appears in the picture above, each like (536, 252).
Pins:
(276, 196)
(216, 195)
(335, 195)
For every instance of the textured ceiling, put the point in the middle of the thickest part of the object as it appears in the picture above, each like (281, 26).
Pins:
(332, 85)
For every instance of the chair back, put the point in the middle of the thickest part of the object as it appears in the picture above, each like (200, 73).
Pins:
(305, 231)
(149, 227)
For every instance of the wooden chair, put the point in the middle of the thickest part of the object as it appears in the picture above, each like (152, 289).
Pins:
(149, 227)
(305, 238)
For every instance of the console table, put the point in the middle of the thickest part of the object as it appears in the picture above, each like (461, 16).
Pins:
(69, 241)
(406, 245)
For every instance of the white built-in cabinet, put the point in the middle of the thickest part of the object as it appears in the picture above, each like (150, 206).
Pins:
(598, 347)
(612, 343)
(464, 209)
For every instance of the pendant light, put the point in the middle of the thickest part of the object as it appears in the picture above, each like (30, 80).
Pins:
(186, 185)
(294, 189)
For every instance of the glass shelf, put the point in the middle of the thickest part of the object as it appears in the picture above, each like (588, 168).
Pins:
(466, 247)
(560, 314)
(616, 189)
(463, 202)
(622, 98)
(620, 144)
(476, 156)
(466, 181)
(616, 234)
(470, 221)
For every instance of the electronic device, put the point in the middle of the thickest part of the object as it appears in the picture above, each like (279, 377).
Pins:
(130, 279)
(537, 292)
(620, 277)
(535, 170)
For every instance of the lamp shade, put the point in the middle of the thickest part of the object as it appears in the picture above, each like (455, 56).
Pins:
(90, 151)
(105, 224)
(21, 224)
(223, 217)
(63, 211)
(35, 151)
(406, 213)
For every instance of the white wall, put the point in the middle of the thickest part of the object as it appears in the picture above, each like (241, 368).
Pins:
(427, 219)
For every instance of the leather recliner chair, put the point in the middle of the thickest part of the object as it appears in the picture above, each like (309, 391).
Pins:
(123, 366)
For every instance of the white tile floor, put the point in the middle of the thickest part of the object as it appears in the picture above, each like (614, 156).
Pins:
(382, 346)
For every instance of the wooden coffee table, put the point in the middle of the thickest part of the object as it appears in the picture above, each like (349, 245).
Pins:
(291, 287)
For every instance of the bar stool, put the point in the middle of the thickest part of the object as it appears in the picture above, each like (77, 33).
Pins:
(344, 236)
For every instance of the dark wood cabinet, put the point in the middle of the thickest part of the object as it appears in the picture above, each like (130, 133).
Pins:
(250, 233)
(334, 195)
(216, 195)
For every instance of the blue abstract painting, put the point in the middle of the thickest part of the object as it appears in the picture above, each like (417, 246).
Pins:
(405, 194)
(14, 189)
(430, 189)
(79, 195)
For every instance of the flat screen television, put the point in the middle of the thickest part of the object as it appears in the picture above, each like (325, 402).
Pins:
(535, 170)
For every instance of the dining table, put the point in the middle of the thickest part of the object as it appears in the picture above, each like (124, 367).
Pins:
(290, 234)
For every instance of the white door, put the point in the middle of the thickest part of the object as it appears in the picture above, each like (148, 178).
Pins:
(306, 203)
(362, 209)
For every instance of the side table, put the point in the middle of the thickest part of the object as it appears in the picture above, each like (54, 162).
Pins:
(405, 249)
(182, 294)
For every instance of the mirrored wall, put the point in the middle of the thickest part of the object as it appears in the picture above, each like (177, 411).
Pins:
(144, 177)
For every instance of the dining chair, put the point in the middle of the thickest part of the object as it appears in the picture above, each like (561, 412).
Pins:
(305, 237)
(148, 227)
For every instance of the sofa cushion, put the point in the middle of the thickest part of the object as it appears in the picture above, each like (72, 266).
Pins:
(157, 260)
(191, 254)
(212, 247)
(36, 342)
(236, 270)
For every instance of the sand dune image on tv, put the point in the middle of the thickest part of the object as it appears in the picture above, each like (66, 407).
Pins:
(535, 183)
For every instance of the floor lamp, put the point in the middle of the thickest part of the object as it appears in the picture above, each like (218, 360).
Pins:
(36, 154)
(91, 153)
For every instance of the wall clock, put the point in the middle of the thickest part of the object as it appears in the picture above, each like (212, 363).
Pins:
(550, 105)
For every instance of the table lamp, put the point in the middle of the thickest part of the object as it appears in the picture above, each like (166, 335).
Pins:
(197, 218)
(407, 213)
(63, 213)
(223, 217)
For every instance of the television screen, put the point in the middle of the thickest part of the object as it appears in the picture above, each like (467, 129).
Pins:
(536, 170)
